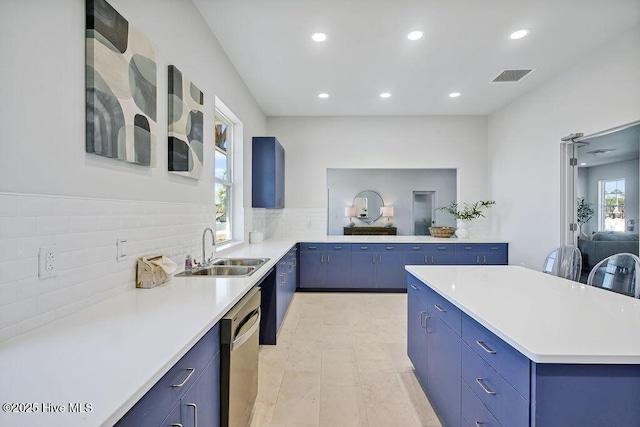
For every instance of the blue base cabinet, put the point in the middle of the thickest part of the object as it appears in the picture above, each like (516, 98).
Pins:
(325, 265)
(286, 283)
(474, 378)
(190, 390)
(481, 254)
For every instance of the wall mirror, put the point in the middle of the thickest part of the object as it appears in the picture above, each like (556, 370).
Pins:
(368, 204)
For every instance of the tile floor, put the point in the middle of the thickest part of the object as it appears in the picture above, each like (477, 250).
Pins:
(340, 362)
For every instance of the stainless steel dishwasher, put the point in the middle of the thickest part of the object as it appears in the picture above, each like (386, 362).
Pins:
(239, 332)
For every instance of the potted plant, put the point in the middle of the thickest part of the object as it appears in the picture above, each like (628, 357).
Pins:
(467, 212)
(585, 213)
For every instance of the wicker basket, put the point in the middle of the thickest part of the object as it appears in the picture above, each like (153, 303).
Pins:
(442, 231)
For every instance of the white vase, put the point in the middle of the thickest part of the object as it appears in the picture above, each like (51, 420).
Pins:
(462, 232)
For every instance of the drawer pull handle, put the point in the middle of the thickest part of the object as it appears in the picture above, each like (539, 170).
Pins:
(389, 248)
(191, 371)
(337, 248)
(195, 413)
(468, 248)
(415, 288)
(484, 347)
(442, 248)
(415, 248)
(364, 248)
(313, 247)
(439, 308)
(486, 389)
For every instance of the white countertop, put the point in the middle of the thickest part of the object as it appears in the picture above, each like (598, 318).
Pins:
(112, 353)
(546, 318)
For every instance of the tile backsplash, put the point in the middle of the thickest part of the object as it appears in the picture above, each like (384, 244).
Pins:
(84, 232)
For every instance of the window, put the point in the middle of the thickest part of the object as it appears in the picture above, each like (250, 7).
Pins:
(223, 177)
(611, 210)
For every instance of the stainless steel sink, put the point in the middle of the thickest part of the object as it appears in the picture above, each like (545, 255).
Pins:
(240, 261)
(227, 267)
(220, 271)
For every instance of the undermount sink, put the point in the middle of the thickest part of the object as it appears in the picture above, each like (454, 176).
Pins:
(240, 261)
(227, 267)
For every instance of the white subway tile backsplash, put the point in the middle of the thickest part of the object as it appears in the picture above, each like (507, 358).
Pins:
(84, 231)
(8, 205)
(13, 227)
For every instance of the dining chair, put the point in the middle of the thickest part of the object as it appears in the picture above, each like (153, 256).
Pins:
(617, 273)
(565, 261)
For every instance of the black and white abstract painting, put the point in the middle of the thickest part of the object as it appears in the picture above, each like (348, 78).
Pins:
(121, 87)
(185, 125)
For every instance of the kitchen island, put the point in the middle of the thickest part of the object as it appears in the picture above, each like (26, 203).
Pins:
(516, 347)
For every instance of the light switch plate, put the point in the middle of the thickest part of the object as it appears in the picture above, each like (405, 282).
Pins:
(123, 250)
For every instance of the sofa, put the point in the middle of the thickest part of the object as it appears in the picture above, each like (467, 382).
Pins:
(603, 244)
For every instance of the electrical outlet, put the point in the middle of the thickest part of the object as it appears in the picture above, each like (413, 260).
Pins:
(47, 262)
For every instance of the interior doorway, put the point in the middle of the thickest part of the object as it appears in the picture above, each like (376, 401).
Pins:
(587, 164)
(423, 212)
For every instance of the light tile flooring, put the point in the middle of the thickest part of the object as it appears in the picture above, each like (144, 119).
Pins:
(340, 362)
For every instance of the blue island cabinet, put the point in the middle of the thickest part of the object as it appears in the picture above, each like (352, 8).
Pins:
(187, 395)
(267, 179)
(474, 378)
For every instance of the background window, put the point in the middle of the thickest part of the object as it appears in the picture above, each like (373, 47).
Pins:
(612, 196)
(223, 177)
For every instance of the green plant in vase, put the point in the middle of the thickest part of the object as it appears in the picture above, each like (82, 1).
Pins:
(584, 213)
(466, 212)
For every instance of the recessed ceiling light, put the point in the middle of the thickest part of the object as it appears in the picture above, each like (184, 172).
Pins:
(323, 95)
(519, 34)
(454, 94)
(319, 37)
(415, 35)
(385, 95)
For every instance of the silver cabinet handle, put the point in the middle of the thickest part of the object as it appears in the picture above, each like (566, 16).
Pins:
(337, 248)
(321, 259)
(439, 308)
(364, 248)
(312, 247)
(191, 371)
(485, 348)
(422, 313)
(379, 259)
(479, 423)
(442, 248)
(373, 259)
(283, 278)
(486, 389)
(195, 413)
(415, 288)
(389, 248)
(328, 259)
(415, 248)
(176, 425)
(426, 324)
(432, 260)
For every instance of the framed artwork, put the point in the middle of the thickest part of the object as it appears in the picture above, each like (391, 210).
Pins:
(121, 87)
(185, 125)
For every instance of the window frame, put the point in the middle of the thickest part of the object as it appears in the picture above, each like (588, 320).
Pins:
(219, 117)
(602, 204)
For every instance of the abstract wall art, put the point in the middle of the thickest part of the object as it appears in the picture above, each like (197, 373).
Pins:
(121, 87)
(186, 122)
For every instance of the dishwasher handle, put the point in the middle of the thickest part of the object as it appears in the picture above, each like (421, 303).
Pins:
(244, 337)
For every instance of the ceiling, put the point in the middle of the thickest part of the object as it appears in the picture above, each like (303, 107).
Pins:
(465, 46)
(610, 147)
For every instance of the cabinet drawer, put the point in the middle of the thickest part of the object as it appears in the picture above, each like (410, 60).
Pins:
(441, 248)
(440, 307)
(481, 247)
(337, 247)
(420, 247)
(312, 247)
(360, 247)
(506, 360)
(381, 247)
(504, 402)
(153, 407)
(474, 413)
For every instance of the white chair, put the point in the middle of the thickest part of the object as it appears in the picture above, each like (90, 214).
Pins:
(566, 261)
(617, 273)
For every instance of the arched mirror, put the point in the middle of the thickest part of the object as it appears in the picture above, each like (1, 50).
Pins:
(367, 204)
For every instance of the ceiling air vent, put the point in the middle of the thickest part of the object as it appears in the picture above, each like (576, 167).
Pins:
(511, 76)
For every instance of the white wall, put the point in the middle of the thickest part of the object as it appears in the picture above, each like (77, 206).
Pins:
(396, 186)
(52, 192)
(600, 92)
(315, 144)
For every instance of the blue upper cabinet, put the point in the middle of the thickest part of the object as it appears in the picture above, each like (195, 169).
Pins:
(268, 173)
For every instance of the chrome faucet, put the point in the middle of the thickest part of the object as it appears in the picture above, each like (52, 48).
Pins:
(213, 236)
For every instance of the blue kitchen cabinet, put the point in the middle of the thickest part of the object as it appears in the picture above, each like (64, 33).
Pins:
(286, 282)
(363, 266)
(390, 272)
(193, 380)
(416, 333)
(429, 254)
(444, 354)
(481, 254)
(325, 265)
(267, 182)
